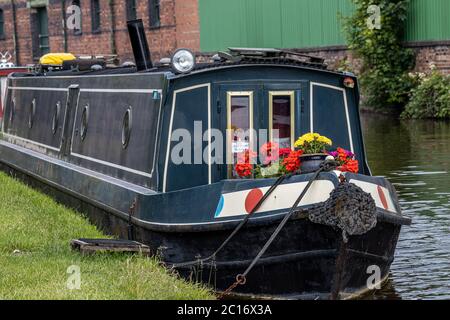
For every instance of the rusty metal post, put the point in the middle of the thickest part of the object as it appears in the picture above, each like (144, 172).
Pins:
(339, 271)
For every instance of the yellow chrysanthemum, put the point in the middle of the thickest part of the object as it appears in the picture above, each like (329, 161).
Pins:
(310, 138)
(325, 140)
(303, 139)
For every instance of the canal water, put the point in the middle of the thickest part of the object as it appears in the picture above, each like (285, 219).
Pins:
(415, 157)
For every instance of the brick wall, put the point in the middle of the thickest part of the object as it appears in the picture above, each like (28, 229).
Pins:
(179, 28)
(437, 53)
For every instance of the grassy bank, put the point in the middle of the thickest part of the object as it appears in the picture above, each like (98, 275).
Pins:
(34, 256)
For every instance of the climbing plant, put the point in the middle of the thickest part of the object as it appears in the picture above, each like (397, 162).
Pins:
(431, 98)
(385, 62)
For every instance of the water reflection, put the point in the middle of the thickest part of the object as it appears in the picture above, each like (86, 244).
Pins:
(388, 292)
(415, 157)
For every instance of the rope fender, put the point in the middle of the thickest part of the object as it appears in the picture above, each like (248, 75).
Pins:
(349, 209)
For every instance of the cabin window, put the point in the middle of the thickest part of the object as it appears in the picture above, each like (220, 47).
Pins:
(95, 16)
(131, 10)
(126, 128)
(240, 127)
(154, 13)
(84, 122)
(281, 118)
(55, 118)
(78, 31)
(2, 24)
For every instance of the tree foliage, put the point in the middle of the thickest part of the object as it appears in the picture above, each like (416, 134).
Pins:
(431, 98)
(385, 62)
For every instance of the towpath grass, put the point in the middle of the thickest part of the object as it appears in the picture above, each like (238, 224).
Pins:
(35, 233)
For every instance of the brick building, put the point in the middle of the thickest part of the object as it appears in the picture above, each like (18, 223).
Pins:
(32, 28)
(29, 28)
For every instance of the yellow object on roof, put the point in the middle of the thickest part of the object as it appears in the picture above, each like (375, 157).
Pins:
(56, 59)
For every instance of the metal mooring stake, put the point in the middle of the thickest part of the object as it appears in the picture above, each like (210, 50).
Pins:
(339, 272)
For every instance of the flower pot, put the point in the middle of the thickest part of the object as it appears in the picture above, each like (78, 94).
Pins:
(311, 162)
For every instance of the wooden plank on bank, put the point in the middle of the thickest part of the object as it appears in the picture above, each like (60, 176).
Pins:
(90, 246)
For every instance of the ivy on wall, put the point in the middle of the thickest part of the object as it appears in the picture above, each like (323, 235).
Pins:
(385, 62)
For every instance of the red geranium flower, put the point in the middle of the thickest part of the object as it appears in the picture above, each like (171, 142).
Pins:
(270, 148)
(342, 154)
(270, 159)
(284, 152)
(246, 157)
(350, 166)
(292, 161)
(244, 167)
(244, 170)
(270, 152)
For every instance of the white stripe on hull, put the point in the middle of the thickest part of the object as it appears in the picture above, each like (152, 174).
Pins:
(283, 198)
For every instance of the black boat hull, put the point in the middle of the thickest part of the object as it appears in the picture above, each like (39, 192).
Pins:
(121, 177)
(306, 261)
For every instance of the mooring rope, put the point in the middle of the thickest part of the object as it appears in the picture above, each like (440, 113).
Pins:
(239, 226)
(241, 279)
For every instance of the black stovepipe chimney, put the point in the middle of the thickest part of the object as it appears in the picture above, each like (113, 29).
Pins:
(139, 44)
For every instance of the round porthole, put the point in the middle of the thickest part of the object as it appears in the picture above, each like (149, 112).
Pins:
(126, 128)
(55, 118)
(31, 113)
(84, 122)
(13, 110)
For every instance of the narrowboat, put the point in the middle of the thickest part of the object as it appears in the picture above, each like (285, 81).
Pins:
(6, 68)
(106, 141)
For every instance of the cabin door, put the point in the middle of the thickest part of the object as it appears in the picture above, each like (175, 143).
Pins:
(238, 119)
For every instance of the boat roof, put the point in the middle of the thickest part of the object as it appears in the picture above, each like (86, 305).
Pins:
(235, 57)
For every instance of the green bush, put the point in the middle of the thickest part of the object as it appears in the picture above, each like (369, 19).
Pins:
(431, 98)
(385, 62)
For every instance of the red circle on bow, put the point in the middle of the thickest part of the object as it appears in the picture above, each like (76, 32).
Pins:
(252, 199)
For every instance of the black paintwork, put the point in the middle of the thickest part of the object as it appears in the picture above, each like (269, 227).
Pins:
(101, 178)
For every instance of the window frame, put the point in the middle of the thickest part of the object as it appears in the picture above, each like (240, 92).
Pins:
(272, 95)
(96, 20)
(229, 148)
(2, 24)
(130, 8)
(42, 12)
(154, 13)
